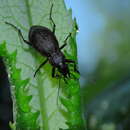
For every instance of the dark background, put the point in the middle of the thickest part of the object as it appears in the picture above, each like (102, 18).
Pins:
(5, 99)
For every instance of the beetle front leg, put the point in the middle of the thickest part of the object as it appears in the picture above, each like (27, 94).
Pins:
(19, 32)
(72, 61)
(65, 41)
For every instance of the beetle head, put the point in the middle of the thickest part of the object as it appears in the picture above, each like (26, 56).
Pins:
(63, 69)
(58, 61)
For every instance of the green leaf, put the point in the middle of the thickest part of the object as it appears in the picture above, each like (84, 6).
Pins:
(35, 99)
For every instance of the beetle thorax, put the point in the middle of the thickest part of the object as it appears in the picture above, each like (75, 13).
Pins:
(56, 59)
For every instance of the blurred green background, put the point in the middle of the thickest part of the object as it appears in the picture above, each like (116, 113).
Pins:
(104, 52)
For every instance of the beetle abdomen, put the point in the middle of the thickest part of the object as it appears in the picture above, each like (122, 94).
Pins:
(43, 40)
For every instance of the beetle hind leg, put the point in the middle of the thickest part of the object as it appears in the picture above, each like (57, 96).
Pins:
(53, 72)
(19, 32)
(40, 67)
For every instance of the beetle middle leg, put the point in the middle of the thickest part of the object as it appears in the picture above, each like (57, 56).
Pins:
(19, 32)
(75, 66)
(65, 41)
(53, 73)
(40, 67)
(54, 26)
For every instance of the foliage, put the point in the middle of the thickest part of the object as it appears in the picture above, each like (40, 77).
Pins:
(106, 100)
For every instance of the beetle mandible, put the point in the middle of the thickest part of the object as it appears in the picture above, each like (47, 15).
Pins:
(45, 42)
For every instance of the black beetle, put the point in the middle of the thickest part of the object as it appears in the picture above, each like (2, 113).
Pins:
(45, 42)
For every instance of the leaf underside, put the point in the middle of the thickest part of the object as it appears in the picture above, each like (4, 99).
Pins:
(35, 99)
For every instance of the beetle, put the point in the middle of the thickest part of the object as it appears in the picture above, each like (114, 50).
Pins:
(45, 42)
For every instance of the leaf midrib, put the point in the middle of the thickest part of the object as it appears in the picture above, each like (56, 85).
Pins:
(28, 12)
(42, 100)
